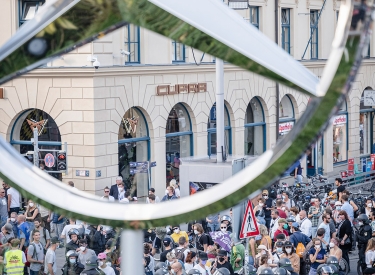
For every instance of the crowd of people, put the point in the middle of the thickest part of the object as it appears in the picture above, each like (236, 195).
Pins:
(290, 241)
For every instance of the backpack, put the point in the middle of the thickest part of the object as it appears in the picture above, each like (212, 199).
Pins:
(300, 250)
(179, 252)
(209, 238)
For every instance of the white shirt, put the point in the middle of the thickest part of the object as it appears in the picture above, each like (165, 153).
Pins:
(15, 197)
(110, 198)
(66, 230)
(370, 255)
(108, 270)
(202, 270)
(274, 226)
(306, 227)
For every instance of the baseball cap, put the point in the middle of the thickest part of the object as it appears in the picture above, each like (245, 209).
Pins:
(223, 253)
(102, 256)
(54, 240)
(262, 247)
(167, 241)
(203, 256)
(338, 203)
(8, 227)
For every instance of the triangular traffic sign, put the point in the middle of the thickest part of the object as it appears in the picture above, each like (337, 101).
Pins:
(249, 226)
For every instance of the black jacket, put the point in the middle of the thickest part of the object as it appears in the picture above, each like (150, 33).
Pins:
(114, 191)
(72, 246)
(226, 265)
(346, 228)
(268, 204)
(363, 235)
(96, 240)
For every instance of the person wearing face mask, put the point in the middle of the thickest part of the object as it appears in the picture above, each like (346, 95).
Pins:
(267, 207)
(13, 221)
(149, 260)
(222, 261)
(190, 261)
(72, 267)
(276, 254)
(372, 222)
(224, 228)
(363, 235)
(368, 208)
(290, 253)
(32, 213)
(259, 211)
(280, 229)
(334, 249)
(84, 253)
(201, 266)
(178, 233)
(115, 189)
(201, 239)
(318, 256)
(335, 213)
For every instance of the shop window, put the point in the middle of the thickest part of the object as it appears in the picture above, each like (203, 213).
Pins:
(254, 16)
(28, 9)
(179, 138)
(133, 146)
(286, 116)
(340, 135)
(255, 128)
(366, 120)
(132, 43)
(211, 129)
(48, 136)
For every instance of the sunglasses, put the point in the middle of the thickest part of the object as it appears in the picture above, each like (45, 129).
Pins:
(223, 227)
(106, 191)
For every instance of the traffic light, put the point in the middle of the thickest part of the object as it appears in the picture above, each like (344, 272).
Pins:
(61, 161)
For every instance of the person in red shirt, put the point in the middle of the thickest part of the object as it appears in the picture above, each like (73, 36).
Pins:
(280, 229)
(279, 206)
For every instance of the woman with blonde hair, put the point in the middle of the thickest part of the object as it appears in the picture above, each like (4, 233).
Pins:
(266, 239)
(370, 252)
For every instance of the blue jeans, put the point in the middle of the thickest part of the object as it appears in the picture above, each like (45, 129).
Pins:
(261, 220)
(3, 221)
(34, 272)
(251, 260)
(313, 231)
(213, 226)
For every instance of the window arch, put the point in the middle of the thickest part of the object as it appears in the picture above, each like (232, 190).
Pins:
(133, 146)
(179, 140)
(211, 130)
(48, 135)
(286, 115)
(255, 128)
(366, 123)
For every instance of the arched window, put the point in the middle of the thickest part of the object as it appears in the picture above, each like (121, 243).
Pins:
(340, 135)
(286, 115)
(255, 128)
(133, 146)
(366, 121)
(49, 137)
(179, 139)
(211, 129)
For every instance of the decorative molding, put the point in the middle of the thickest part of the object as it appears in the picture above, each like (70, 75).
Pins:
(296, 3)
(334, 4)
(307, 4)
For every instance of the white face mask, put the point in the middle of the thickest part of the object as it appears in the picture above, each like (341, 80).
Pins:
(82, 248)
(283, 197)
(331, 245)
(72, 261)
(265, 197)
(263, 252)
(338, 207)
(176, 231)
(369, 205)
(121, 189)
(288, 250)
(360, 223)
(223, 230)
(261, 204)
(31, 204)
(283, 208)
(12, 219)
(317, 246)
(269, 261)
(100, 263)
(196, 232)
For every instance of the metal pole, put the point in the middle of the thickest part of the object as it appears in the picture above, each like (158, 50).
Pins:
(36, 147)
(132, 252)
(277, 84)
(220, 146)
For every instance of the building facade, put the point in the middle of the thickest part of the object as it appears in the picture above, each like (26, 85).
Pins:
(158, 103)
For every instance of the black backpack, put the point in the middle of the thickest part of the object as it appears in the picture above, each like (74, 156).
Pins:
(179, 252)
(209, 238)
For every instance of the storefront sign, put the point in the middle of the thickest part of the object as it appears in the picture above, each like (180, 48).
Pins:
(372, 158)
(350, 164)
(181, 88)
(339, 120)
(138, 167)
(285, 127)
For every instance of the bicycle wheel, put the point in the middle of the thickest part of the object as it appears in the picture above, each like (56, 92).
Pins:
(344, 266)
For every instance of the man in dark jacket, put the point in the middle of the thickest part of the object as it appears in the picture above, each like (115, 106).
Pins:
(222, 261)
(114, 192)
(96, 238)
(267, 208)
(363, 235)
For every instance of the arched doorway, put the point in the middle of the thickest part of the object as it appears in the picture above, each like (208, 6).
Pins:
(255, 128)
(179, 140)
(49, 137)
(286, 116)
(211, 130)
(133, 147)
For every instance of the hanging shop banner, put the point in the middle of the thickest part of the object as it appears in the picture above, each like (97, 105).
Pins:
(350, 164)
(339, 120)
(285, 127)
(372, 158)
